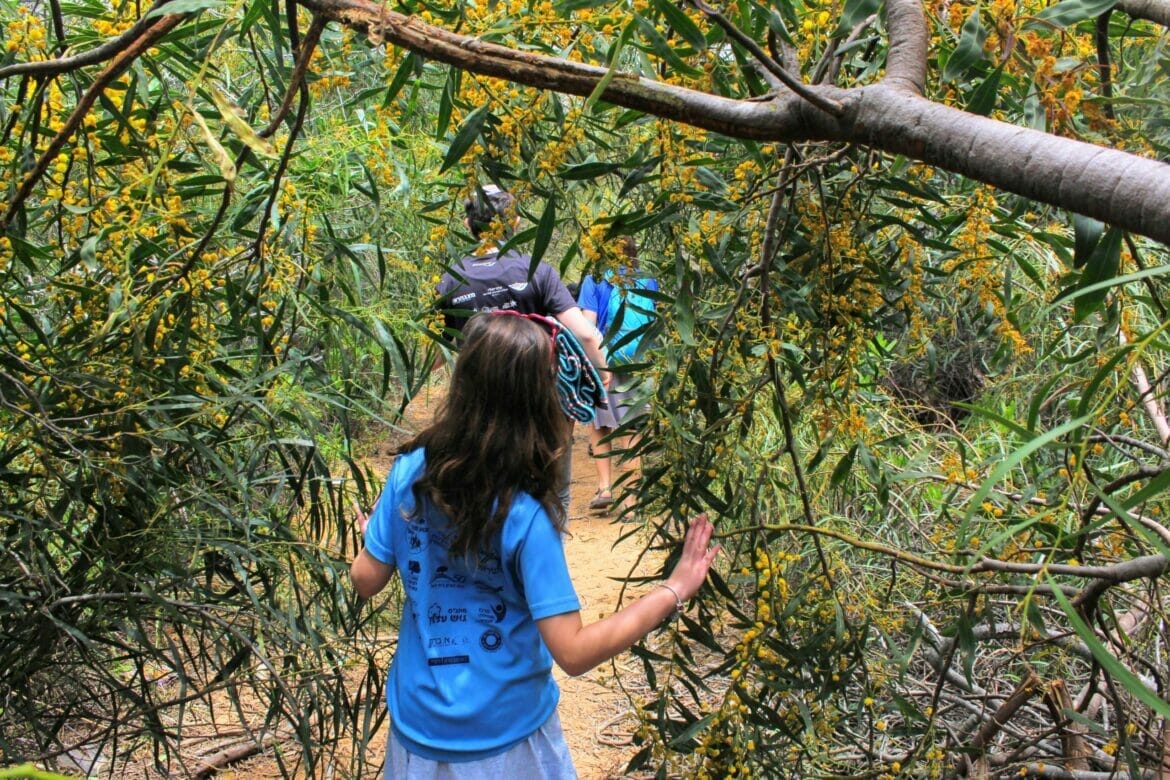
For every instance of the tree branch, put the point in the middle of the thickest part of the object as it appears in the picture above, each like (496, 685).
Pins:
(787, 79)
(1024, 691)
(109, 49)
(909, 41)
(1119, 188)
(1157, 11)
(160, 27)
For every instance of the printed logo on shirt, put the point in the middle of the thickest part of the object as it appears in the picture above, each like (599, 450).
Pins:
(436, 614)
(493, 613)
(416, 541)
(448, 661)
(489, 563)
(446, 641)
(443, 578)
(518, 286)
(413, 570)
(463, 298)
(491, 640)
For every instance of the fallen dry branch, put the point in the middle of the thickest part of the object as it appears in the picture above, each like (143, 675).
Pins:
(237, 752)
(1024, 691)
(1072, 734)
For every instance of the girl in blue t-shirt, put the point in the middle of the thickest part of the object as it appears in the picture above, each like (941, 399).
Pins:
(469, 519)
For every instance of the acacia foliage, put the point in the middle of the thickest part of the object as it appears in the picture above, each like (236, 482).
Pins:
(910, 399)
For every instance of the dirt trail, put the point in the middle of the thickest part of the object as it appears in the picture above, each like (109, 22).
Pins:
(595, 714)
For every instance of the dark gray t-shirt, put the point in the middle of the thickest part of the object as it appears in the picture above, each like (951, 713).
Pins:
(493, 281)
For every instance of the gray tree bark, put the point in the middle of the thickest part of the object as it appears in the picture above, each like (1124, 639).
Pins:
(1115, 187)
(1157, 11)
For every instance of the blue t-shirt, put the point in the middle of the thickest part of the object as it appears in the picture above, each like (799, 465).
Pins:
(471, 676)
(619, 293)
(594, 297)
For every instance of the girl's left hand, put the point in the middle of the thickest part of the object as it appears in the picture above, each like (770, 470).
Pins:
(697, 555)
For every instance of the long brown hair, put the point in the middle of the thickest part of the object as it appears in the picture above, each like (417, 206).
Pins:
(499, 431)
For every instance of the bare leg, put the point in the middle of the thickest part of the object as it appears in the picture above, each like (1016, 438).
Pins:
(604, 466)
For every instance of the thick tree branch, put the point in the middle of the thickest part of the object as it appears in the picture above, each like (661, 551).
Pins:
(1072, 734)
(1024, 691)
(1121, 189)
(909, 41)
(1157, 11)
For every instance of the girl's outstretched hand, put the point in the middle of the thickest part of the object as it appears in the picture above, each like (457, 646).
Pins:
(697, 555)
(361, 518)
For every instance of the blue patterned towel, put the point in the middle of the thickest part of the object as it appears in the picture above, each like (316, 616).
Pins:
(578, 384)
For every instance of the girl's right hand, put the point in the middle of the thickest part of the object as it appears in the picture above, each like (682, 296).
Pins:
(697, 555)
(361, 518)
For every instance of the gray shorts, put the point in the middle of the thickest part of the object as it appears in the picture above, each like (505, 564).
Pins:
(627, 397)
(543, 756)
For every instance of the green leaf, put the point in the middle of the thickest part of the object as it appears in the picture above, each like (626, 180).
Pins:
(446, 99)
(682, 24)
(590, 169)
(465, 136)
(255, 10)
(544, 229)
(1034, 115)
(684, 315)
(854, 12)
(614, 54)
(1108, 661)
(1106, 373)
(1156, 486)
(844, 466)
(406, 69)
(1068, 12)
(970, 48)
(88, 253)
(661, 47)
(1102, 265)
(568, 6)
(982, 100)
(1005, 466)
(1088, 233)
(1120, 510)
(185, 7)
(1119, 281)
(776, 25)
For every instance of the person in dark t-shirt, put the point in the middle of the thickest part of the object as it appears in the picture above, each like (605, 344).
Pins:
(488, 280)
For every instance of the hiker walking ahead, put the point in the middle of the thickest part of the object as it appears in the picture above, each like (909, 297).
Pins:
(618, 305)
(488, 280)
(469, 521)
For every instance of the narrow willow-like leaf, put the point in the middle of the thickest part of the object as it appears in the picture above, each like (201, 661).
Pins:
(1113, 667)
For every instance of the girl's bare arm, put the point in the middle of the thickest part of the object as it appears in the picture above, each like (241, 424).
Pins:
(577, 648)
(368, 574)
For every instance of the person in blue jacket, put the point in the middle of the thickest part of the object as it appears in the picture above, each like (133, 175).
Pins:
(469, 520)
(617, 304)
